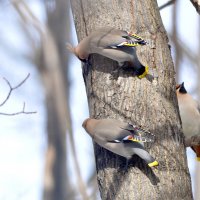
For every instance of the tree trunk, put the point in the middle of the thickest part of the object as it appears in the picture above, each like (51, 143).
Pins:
(54, 73)
(55, 179)
(150, 104)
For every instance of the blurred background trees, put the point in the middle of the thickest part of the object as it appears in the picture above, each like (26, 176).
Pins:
(47, 155)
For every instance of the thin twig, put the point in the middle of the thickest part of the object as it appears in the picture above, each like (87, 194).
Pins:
(8, 96)
(18, 113)
(12, 88)
(167, 4)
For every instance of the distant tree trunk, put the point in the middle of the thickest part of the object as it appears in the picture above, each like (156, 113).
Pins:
(152, 105)
(52, 65)
(52, 62)
(53, 69)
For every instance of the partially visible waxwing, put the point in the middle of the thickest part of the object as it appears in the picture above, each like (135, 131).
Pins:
(190, 115)
(115, 44)
(120, 138)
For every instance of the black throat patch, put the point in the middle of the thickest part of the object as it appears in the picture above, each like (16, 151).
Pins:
(82, 60)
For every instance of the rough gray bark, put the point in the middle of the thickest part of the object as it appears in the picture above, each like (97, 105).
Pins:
(150, 104)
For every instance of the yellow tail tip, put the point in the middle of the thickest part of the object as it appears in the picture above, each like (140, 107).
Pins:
(198, 159)
(144, 73)
(153, 164)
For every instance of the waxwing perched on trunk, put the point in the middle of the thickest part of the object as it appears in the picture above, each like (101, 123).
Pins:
(190, 115)
(121, 138)
(115, 44)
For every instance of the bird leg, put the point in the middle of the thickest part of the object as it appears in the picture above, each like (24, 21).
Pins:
(125, 168)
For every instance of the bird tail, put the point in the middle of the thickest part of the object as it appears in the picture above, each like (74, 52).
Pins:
(153, 164)
(70, 48)
(142, 153)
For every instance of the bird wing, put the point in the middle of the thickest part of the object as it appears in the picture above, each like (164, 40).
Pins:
(114, 38)
(131, 38)
(117, 131)
(137, 133)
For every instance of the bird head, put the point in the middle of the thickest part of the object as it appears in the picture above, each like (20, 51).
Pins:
(84, 124)
(181, 88)
(75, 51)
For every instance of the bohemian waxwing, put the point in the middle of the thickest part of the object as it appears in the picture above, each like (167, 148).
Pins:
(190, 115)
(115, 44)
(120, 138)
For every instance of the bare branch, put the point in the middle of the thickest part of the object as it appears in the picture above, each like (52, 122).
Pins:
(196, 4)
(192, 141)
(18, 113)
(8, 96)
(12, 88)
(167, 4)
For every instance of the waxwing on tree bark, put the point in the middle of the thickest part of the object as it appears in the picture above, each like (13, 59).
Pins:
(190, 115)
(115, 44)
(120, 138)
